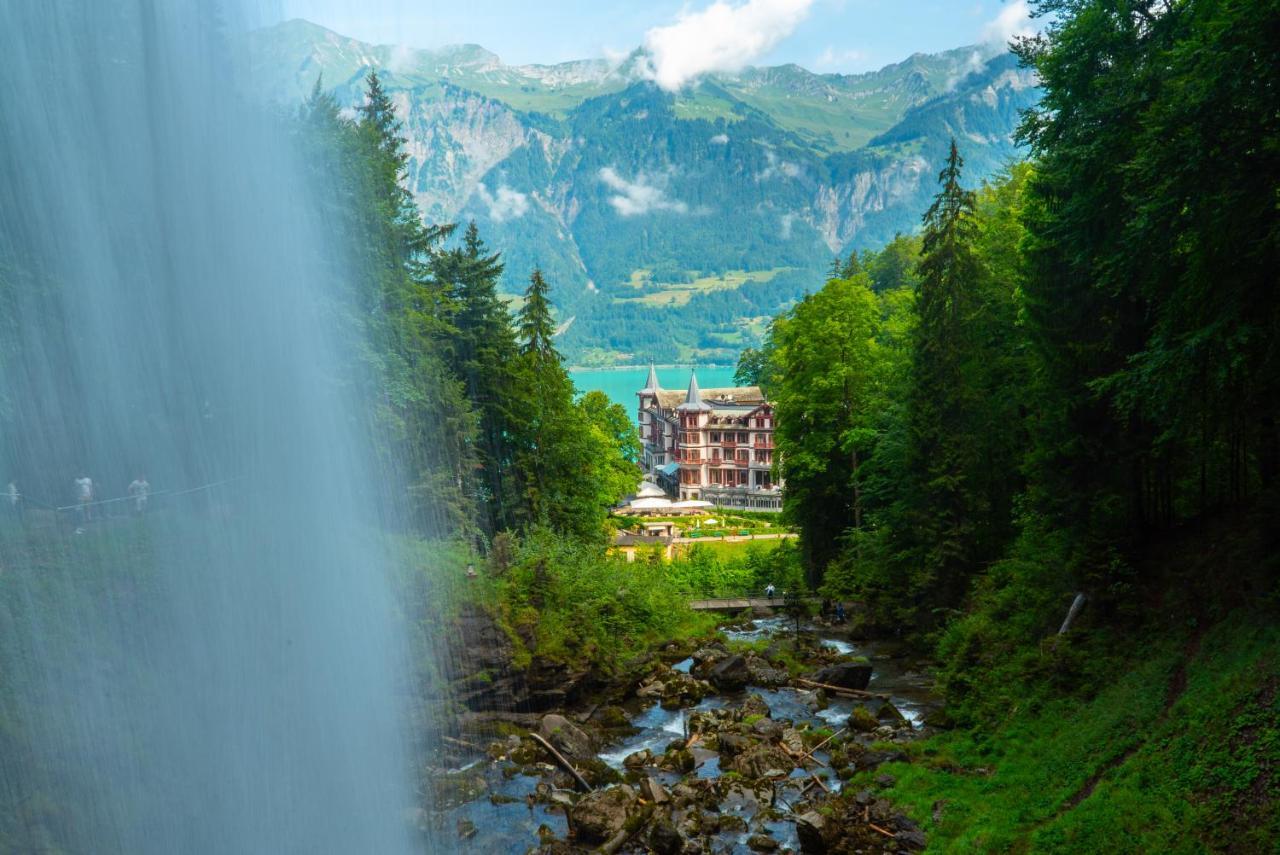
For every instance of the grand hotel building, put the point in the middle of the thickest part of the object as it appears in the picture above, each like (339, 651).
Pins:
(713, 445)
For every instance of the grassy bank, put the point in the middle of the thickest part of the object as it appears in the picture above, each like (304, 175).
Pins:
(1178, 751)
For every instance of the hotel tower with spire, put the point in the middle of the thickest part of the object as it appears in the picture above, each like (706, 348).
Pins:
(713, 445)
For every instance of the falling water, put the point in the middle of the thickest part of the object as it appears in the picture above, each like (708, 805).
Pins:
(221, 674)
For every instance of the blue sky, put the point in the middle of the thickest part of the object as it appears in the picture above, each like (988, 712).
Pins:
(822, 35)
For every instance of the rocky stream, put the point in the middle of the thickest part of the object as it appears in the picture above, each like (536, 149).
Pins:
(710, 747)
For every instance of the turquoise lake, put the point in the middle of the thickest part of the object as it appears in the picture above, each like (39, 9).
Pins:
(621, 384)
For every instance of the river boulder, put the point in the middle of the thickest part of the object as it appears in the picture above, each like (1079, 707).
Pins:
(809, 828)
(600, 815)
(730, 674)
(569, 739)
(846, 675)
(763, 760)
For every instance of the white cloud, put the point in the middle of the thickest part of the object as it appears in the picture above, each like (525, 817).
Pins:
(972, 64)
(508, 204)
(777, 166)
(719, 38)
(638, 197)
(719, 139)
(839, 60)
(786, 222)
(1014, 20)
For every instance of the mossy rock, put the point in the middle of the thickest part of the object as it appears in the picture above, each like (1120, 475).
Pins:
(862, 720)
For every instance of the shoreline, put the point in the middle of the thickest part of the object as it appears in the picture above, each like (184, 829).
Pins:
(645, 367)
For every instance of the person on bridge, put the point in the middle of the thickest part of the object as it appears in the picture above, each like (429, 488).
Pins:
(768, 590)
(839, 611)
(140, 490)
(14, 500)
(84, 500)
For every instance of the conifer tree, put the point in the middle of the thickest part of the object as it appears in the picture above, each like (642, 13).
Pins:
(941, 506)
(535, 324)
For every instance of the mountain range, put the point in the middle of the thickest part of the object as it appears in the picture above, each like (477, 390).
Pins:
(671, 225)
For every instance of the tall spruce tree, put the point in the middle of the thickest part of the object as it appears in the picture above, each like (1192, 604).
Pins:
(483, 356)
(535, 323)
(941, 506)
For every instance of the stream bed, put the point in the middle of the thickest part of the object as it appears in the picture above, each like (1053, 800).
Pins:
(506, 801)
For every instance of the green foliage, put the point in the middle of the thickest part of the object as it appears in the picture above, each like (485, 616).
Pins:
(1164, 771)
(579, 606)
(707, 571)
(835, 367)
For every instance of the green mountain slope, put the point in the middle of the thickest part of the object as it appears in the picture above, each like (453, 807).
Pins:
(670, 224)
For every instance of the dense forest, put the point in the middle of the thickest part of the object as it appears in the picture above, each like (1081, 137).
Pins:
(1065, 384)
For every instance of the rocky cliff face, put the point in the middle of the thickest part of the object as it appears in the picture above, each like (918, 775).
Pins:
(603, 180)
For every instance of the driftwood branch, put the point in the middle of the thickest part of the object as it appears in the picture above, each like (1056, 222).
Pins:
(809, 754)
(886, 832)
(560, 758)
(841, 690)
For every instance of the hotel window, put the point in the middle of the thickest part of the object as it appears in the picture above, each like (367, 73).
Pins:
(742, 437)
(715, 436)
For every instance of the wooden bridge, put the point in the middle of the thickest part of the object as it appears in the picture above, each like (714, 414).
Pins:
(737, 604)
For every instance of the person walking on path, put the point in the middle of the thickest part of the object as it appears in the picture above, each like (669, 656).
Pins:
(140, 491)
(84, 501)
(768, 590)
(13, 499)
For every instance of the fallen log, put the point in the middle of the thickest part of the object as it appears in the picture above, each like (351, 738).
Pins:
(841, 690)
(560, 758)
(820, 783)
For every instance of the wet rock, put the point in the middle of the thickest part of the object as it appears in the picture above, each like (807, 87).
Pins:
(767, 728)
(732, 744)
(569, 739)
(862, 721)
(681, 690)
(885, 780)
(467, 829)
(762, 761)
(705, 657)
(600, 815)
(761, 843)
(889, 714)
(665, 839)
(636, 759)
(679, 759)
(730, 674)
(755, 705)
(761, 673)
(652, 689)
(612, 717)
(847, 675)
(651, 790)
(597, 772)
(864, 797)
(809, 828)
(913, 839)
